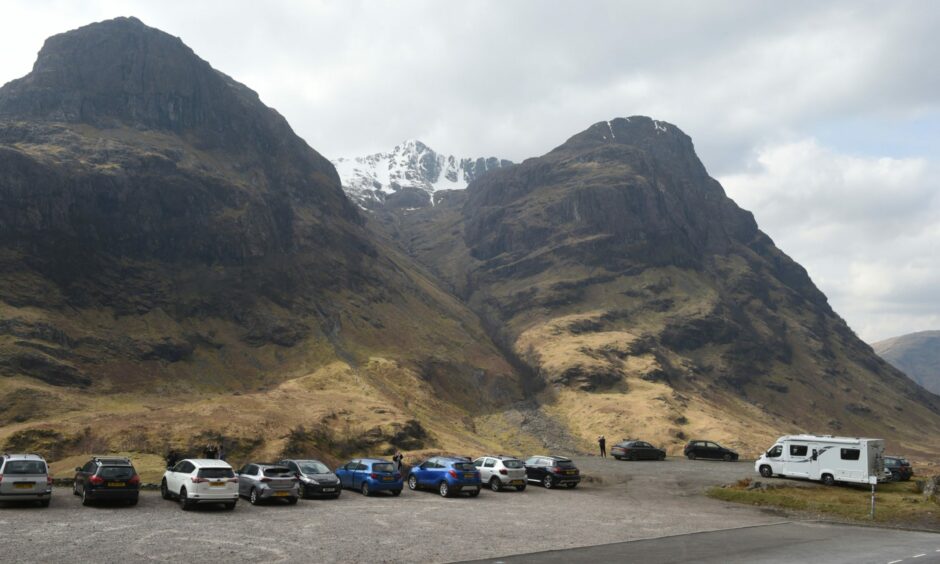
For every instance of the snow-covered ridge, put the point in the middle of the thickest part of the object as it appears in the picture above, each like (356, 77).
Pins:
(408, 175)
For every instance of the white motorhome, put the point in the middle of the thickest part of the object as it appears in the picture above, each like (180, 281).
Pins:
(825, 458)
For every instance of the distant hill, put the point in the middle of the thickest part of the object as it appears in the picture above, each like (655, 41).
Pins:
(915, 354)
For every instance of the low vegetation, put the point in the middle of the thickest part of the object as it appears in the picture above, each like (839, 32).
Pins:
(898, 503)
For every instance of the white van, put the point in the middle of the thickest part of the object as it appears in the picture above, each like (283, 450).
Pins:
(825, 458)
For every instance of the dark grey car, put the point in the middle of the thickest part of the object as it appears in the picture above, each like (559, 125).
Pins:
(316, 479)
(262, 482)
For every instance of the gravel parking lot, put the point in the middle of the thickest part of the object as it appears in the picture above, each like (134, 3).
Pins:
(620, 501)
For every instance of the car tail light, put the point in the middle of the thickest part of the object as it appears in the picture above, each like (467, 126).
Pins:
(453, 474)
(556, 470)
(1, 477)
(374, 476)
(96, 480)
(135, 479)
(48, 480)
(503, 471)
(397, 476)
(198, 480)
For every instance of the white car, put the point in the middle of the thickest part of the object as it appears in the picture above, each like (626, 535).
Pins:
(501, 471)
(198, 480)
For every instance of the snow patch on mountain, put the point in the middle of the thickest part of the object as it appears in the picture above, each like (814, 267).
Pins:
(409, 175)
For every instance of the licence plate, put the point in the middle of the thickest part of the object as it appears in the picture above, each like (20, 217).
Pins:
(216, 484)
(518, 482)
(116, 484)
(468, 476)
(328, 490)
(281, 494)
(23, 486)
(387, 478)
(570, 472)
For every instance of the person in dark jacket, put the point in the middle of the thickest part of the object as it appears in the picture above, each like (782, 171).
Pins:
(602, 442)
(397, 460)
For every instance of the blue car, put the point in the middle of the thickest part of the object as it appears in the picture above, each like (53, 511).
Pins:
(449, 476)
(370, 475)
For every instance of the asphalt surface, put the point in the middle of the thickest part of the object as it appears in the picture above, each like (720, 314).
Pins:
(619, 501)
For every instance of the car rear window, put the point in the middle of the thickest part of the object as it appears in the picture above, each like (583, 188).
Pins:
(278, 472)
(216, 473)
(116, 472)
(564, 464)
(464, 466)
(383, 467)
(513, 464)
(25, 467)
(314, 468)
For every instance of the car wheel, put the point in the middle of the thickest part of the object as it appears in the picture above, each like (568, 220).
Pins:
(396, 493)
(164, 492)
(766, 471)
(184, 500)
(86, 501)
(691, 456)
(44, 502)
(661, 457)
(572, 485)
(548, 482)
(75, 488)
(253, 497)
(632, 456)
(230, 506)
(303, 490)
(618, 457)
(412, 482)
(727, 458)
(292, 501)
(828, 479)
(520, 488)
(133, 501)
(474, 493)
(443, 489)
(495, 484)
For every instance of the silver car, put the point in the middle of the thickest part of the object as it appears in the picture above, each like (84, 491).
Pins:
(501, 471)
(316, 479)
(261, 482)
(25, 477)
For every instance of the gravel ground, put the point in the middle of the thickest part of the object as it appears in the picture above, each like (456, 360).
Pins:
(618, 501)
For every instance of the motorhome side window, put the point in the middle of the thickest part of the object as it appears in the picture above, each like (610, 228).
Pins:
(850, 454)
(798, 450)
(775, 452)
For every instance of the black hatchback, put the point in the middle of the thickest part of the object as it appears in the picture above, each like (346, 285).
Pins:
(632, 449)
(710, 450)
(107, 479)
(551, 471)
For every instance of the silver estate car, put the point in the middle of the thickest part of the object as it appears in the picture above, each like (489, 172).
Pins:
(501, 471)
(25, 477)
(316, 479)
(261, 482)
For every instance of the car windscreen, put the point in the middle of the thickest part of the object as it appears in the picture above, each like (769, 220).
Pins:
(116, 472)
(464, 466)
(277, 472)
(564, 464)
(313, 468)
(25, 467)
(216, 473)
(383, 467)
(513, 463)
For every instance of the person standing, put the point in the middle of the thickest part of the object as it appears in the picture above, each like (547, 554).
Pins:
(397, 460)
(602, 442)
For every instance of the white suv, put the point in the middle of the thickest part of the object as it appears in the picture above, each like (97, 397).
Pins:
(196, 480)
(500, 471)
(25, 477)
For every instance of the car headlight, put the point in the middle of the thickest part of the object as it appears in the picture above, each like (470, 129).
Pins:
(312, 481)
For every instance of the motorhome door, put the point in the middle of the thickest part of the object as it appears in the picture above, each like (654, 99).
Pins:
(798, 462)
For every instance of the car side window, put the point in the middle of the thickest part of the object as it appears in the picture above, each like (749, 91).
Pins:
(712, 445)
(179, 466)
(490, 462)
(478, 462)
(642, 445)
(362, 467)
(89, 467)
(798, 450)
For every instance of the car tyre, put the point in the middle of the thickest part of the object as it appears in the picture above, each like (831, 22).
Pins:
(412, 482)
(548, 482)
(164, 491)
(572, 485)
(766, 471)
(365, 489)
(303, 490)
(690, 456)
(133, 501)
(474, 493)
(396, 493)
(86, 501)
(44, 502)
(185, 505)
(444, 489)
(520, 488)
(292, 501)
(828, 479)
(495, 484)
(632, 456)
(253, 497)
(75, 488)
(728, 458)
(229, 506)
(661, 457)
(618, 457)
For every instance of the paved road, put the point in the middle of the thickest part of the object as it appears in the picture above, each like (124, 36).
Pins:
(786, 543)
(624, 501)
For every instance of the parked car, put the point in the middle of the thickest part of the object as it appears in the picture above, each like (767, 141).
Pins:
(370, 475)
(200, 480)
(899, 467)
(551, 471)
(710, 450)
(316, 479)
(501, 471)
(264, 482)
(632, 449)
(448, 475)
(25, 477)
(107, 479)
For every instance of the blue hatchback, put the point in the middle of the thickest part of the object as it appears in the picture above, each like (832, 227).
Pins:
(370, 475)
(447, 475)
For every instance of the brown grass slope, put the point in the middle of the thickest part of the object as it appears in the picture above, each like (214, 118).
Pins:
(177, 266)
(650, 305)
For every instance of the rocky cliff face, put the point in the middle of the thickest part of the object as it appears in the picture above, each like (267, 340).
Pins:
(411, 175)
(915, 354)
(166, 237)
(649, 303)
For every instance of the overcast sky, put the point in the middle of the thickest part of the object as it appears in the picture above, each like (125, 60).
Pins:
(821, 118)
